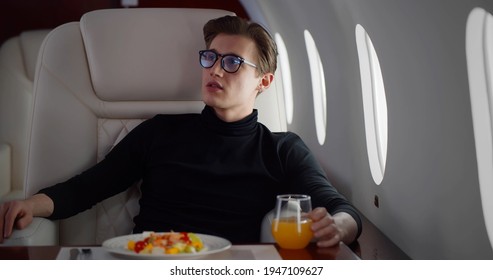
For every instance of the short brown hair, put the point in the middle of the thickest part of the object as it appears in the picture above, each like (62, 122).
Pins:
(232, 25)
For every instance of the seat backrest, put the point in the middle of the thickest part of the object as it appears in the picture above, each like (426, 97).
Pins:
(18, 57)
(99, 78)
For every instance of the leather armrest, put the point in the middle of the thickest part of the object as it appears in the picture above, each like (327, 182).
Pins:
(41, 232)
(13, 195)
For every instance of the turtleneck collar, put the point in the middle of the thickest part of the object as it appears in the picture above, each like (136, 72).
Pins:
(245, 126)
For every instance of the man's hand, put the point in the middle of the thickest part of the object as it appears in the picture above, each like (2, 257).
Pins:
(330, 230)
(20, 213)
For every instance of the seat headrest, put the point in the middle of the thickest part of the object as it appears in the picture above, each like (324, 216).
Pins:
(30, 42)
(145, 54)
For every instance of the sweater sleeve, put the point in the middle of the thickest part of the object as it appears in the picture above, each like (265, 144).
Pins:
(306, 176)
(120, 169)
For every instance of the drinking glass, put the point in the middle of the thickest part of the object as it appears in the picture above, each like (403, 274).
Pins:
(291, 225)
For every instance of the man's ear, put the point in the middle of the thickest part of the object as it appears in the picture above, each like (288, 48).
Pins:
(265, 82)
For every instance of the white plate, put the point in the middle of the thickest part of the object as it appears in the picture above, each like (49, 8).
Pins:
(118, 245)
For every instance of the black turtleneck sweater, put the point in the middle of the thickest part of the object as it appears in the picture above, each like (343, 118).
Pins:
(203, 175)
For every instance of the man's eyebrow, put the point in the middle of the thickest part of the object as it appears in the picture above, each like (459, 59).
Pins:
(223, 54)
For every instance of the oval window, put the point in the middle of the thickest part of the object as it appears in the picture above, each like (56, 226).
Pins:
(374, 104)
(479, 53)
(286, 77)
(318, 87)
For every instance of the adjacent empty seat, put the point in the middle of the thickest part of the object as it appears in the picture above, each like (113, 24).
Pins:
(18, 57)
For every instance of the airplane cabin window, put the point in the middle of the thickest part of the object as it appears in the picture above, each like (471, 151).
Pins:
(479, 53)
(286, 76)
(374, 104)
(318, 87)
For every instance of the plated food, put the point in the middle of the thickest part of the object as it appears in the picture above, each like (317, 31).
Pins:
(166, 243)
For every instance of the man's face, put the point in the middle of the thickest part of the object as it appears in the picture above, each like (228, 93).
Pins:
(232, 95)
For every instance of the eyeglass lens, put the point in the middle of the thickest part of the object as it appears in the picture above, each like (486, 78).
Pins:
(229, 63)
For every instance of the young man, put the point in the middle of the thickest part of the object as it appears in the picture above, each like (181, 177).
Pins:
(217, 172)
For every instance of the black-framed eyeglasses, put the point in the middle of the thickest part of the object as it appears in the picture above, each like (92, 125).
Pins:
(229, 62)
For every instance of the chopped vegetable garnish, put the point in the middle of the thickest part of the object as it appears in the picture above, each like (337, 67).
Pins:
(166, 243)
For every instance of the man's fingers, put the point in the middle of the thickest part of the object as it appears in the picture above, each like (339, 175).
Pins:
(327, 236)
(328, 243)
(318, 213)
(9, 214)
(23, 222)
(322, 222)
(324, 228)
(326, 231)
(2, 221)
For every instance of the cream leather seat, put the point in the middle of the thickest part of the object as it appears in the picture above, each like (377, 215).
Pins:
(18, 57)
(96, 80)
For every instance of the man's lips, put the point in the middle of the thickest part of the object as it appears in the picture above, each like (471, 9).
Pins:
(214, 85)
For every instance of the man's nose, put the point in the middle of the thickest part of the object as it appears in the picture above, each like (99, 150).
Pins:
(216, 69)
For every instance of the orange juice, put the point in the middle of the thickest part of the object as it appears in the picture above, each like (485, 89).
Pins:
(289, 235)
